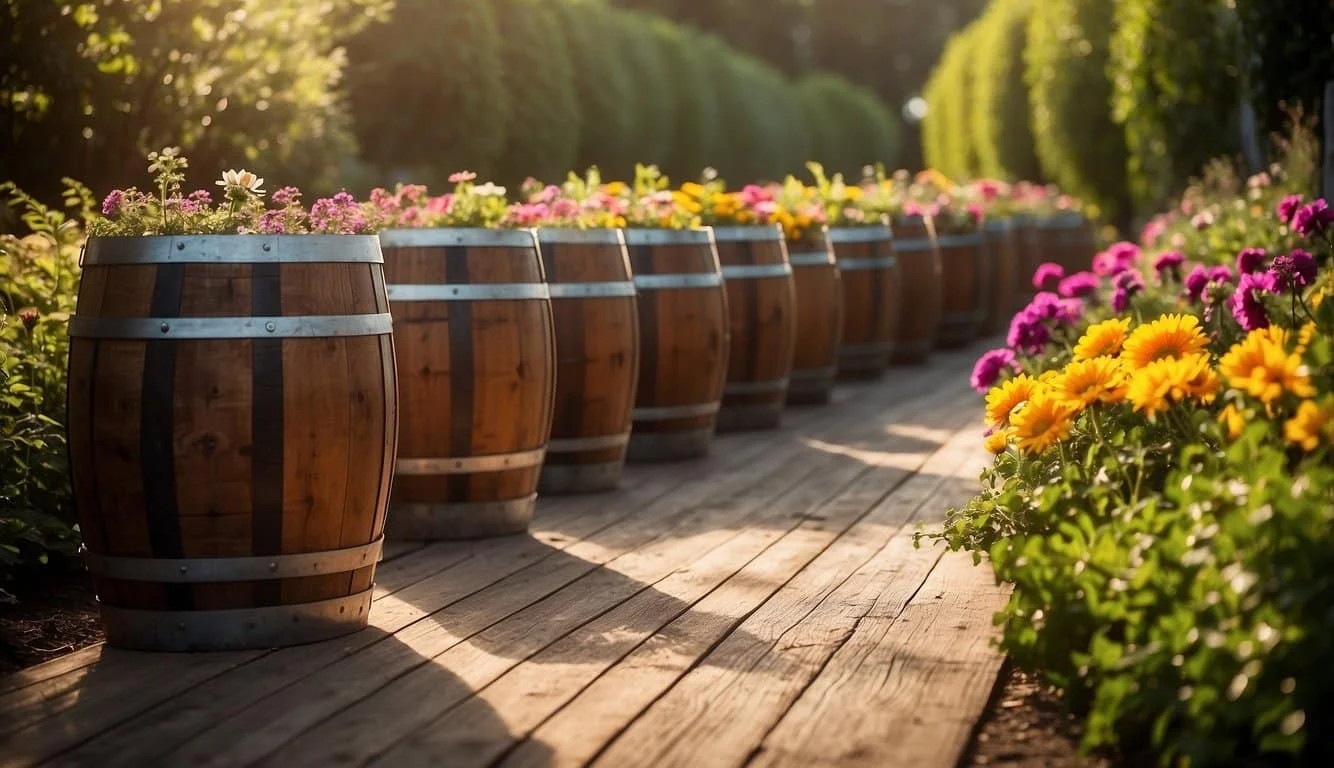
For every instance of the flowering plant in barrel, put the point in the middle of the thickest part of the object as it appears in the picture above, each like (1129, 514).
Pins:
(411, 205)
(582, 202)
(1163, 488)
(844, 204)
(651, 203)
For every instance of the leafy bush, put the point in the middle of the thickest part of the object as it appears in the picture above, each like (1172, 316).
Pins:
(1176, 90)
(1078, 144)
(849, 127)
(695, 135)
(947, 141)
(650, 101)
(542, 138)
(769, 122)
(427, 91)
(1000, 119)
(603, 88)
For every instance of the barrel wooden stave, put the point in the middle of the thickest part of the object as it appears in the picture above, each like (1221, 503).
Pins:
(597, 351)
(999, 241)
(199, 449)
(1029, 242)
(920, 270)
(965, 279)
(684, 346)
(873, 297)
(762, 316)
(818, 288)
(476, 379)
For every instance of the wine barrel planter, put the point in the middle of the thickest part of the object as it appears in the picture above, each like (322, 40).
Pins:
(1029, 244)
(683, 342)
(476, 361)
(761, 305)
(999, 239)
(919, 265)
(872, 299)
(232, 422)
(819, 294)
(1075, 240)
(965, 282)
(597, 358)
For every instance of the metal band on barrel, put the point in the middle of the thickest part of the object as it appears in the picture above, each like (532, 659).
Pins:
(591, 290)
(676, 411)
(873, 234)
(756, 387)
(959, 241)
(812, 259)
(445, 237)
(690, 280)
(198, 570)
(760, 233)
(581, 444)
(475, 292)
(496, 462)
(700, 236)
(880, 262)
(232, 249)
(756, 271)
(912, 246)
(813, 374)
(874, 348)
(571, 236)
(294, 326)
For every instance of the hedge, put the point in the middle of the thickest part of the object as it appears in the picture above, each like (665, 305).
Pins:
(698, 113)
(948, 142)
(1000, 118)
(849, 127)
(602, 87)
(650, 100)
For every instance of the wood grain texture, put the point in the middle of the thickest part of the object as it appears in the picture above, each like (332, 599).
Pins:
(874, 302)
(820, 311)
(761, 324)
(920, 269)
(1003, 255)
(965, 277)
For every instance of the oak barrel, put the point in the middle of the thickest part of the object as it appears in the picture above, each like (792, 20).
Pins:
(476, 361)
(919, 264)
(1029, 250)
(683, 342)
(965, 282)
(232, 422)
(819, 294)
(761, 305)
(597, 357)
(999, 240)
(873, 298)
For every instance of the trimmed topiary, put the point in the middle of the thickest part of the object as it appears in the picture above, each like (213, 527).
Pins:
(1000, 117)
(602, 86)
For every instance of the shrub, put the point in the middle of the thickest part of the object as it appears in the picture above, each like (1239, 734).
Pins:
(1078, 145)
(698, 113)
(542, 138)
(1000, 117)
(849, 127)
(427, 92)
(650, 101)
(603, 87)
(947, 141)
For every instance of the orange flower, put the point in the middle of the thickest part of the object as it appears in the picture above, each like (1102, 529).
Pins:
(1103, 339)
(1085, 382)
(1041, 422)
(1002, 399)
(1168, 337)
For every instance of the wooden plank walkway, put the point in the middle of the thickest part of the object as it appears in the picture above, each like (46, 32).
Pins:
(764, 606)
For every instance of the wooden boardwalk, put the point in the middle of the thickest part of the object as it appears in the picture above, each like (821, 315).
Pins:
(764, 606)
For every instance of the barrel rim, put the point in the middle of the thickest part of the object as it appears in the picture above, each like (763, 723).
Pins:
(870, 233)
(1061, 220)
(966, 240)
(127, 250)
(664, 236)
(740, 233)
(999, 224)
(576, 236)
(445, 237)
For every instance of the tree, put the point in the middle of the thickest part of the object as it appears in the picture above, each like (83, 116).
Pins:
(1000, 117)
(947, 139)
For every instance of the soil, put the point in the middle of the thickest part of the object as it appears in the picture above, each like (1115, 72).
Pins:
(1026, 726)
(54, 615)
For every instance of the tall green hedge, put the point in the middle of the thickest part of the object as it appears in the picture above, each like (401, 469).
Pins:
(543, 139)
(427, 92)
(1000, 118)
(651, 99)
(1176, 90)
(947, 138)
(848, 126)
(603, 88)
(1079, 146)
(698, 114)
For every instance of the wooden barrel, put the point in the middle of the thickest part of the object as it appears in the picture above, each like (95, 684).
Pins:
(1030, 245)
(232, 417)
(762, 307)
(965, 282)
(1076, 242)
(872, 299)
(819, 293)
(683, 342)
(999, 238)
(597, 358)
(476, 361)
(919, 265)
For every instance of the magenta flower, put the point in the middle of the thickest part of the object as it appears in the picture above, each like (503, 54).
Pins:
(272, 223)
(1222, 274)
(1079, 284)
(1127, 283)
(1196, 282)
(1251, 259)
(1047, 276)
(111, 205)
(1312, 218)
(1246, 306)
(288, 195)
(1169, 263)
(203, 197)
(1287, 207)
(1292, 271)
(1027, 333)
(1116, 259)
(989, 367)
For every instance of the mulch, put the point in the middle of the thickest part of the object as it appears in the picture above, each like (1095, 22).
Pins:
(53, 616)
(1026, 725)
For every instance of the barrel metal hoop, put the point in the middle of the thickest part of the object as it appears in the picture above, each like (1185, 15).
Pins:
(854, 265)
(582, 444)
(591, 290)
(473, 292)
(232, 249)
(874, 348)
(759, 233)
(998, 225)
(960, 241)
(174, 328)
(873, 234)
(466, 465)
(756, 271)
(571, 236)
(756, 387)
(665, 413)
(445, 237)
(811, 259)
(813, 374)
(914, 245)
(235, 629)
(651, 236)
(690, 280)
(197, 570)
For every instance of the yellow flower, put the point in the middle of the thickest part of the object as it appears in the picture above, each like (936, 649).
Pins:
(996, 442)
(1086, 382)
(615, 188)
(1233, 421)
(852, 192)
(1170, 336)
(694, 189)
(1261, 367)
(1311, 423)
(1041, 422)
(1157, 385)
(1002, 398)
(1103, 339)
(1304, 336)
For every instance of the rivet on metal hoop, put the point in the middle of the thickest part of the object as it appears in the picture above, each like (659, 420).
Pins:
(164, 327)
(266, 247)
(183, 569)
(180, 246)
(270, 326)
(273, 566)
(180, 625)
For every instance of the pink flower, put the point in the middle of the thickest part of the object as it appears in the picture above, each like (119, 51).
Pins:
(1079, 284)
(1251, 259)
(1169, 263)
(989, 367)
(461, 176)
(1287, 207)
(1047, 276)
(1312, 218)
(113, 202)
(1245, 303)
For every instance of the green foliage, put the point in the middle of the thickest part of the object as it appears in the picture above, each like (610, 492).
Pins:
(651, 101)
(38, 279)
(542, 139)
(1000, 120)
(88, 88)
(1176, 90)
(603, 88)
(695, 135)
(767, 123)
(850, 129)
(1290, 54)
(427, 92)
(947, 138)
(1078, 145)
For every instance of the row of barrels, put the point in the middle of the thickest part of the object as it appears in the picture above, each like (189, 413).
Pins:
(248, 414)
